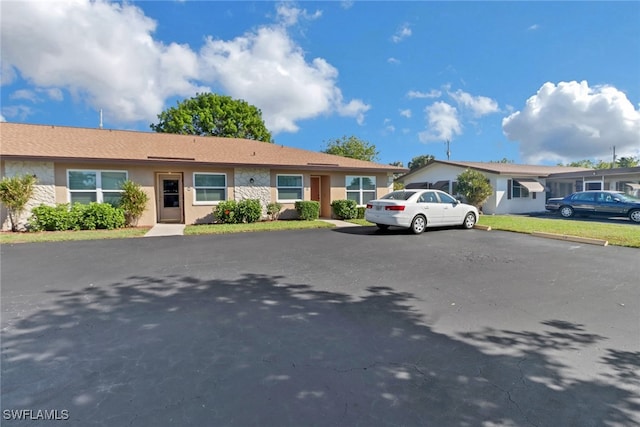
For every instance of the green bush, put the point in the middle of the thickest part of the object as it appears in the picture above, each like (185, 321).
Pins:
(361, 210)
(93, 216)
(249, 210)
(344, 209)
(273, 210)
(308, 210)
(225, 212)
(133, 202)
(15, 193)
(97, 216)
(232, 212)
(50, 218)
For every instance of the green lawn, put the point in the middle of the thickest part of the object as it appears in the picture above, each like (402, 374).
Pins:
(256, 226)
(617, 234)
(61, 236)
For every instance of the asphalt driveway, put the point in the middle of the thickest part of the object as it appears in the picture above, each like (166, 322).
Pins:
(341, 327)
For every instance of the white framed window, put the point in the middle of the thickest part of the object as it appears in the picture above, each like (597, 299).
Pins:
(102, 186)
(362, 189)
(290, 188)
(592, 185)
(209, 188)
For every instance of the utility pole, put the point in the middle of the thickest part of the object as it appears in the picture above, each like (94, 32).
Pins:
(613, 165)
(448, 150)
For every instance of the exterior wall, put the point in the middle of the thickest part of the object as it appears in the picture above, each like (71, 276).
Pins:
(43, 191)
(259, 189)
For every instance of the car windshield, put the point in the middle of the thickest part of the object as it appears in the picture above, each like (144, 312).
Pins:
(399, 195)
(627, 198)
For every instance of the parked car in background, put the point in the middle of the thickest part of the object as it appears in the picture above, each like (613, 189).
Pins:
(601, 203)
(419, 209)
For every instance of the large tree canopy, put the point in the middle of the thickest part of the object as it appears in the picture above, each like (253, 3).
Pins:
(419, 161)
(352, 147)
(474, 186)
(209, 114)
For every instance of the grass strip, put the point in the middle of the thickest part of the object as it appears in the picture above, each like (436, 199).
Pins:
(253, 227)
(63, 236)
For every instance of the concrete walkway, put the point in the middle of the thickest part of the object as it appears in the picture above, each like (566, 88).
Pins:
(178, 229)
(166, 230)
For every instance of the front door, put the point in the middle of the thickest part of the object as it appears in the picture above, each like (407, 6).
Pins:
(315, 188)
(170, 198)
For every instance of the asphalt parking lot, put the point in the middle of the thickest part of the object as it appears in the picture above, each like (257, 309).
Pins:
(344, 327)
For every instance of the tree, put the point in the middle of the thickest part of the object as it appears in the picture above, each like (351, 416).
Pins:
(586, 163)
(352, 147)
(628, 162)
(15, 193)
(503, 160)
(419, 161)
(474, 186)
(210, 114)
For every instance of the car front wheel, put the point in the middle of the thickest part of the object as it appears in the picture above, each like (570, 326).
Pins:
(418, 224)
(635, 216)
(566, 211)
(469, 221)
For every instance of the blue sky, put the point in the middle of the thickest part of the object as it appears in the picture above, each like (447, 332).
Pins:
(533, 82)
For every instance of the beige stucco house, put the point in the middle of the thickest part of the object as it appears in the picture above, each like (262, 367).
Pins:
(184, 176)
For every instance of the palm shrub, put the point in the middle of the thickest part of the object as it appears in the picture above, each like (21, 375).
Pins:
(15, 193)
(345, 209)
(133, 202)
(308, 210)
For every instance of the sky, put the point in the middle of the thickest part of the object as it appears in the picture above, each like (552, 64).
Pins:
(531, 82)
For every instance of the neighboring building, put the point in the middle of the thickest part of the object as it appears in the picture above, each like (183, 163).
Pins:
(184, 175)
(626, 180)
(516, 188)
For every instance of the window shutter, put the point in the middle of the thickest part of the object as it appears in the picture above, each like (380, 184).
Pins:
(534, 195)
(509, 186)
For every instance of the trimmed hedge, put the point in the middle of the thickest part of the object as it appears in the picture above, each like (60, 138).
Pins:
(308, 210)
(232, 212)
(345, 209)
(94, 216)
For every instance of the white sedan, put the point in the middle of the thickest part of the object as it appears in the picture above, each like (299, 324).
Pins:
(419, 209)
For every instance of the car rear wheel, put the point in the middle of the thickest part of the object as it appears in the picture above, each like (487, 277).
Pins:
(469, 221)
(566, 211)
(418, 224)
(635, 215)
(382, 226)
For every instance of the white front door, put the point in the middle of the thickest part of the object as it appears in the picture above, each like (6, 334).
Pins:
(169, 198)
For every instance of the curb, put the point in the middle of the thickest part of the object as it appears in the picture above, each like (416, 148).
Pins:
(482, 227)
(571, 238)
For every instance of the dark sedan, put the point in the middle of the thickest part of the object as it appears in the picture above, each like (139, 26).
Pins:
(601, 203)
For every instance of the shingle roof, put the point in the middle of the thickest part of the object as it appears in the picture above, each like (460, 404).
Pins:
(506, 168)
(84, 144)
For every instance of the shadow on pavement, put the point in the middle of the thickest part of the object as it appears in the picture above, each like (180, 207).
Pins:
(260, 351)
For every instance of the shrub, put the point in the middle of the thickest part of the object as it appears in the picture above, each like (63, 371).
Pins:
(273, 210)
(475, 187)
(51, 218)
(97, 216)
(361, 210)
(133, 202)
(249, 210)
(344, 209)
(15, 193)
(80, 217)
(225, 212)
(308, 210)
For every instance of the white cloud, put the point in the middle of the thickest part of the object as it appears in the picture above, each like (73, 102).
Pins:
(533, 27)
(433, 93)
(402, 33)
(17, 112)
(26, 94)
(573, 121)
(2, 119)
(443, 123)
(104, 54)
(478, 105)
(406, 113)
(393, 61)
(267, 69)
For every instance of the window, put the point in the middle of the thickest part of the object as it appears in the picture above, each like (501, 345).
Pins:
(86, 186)
(519, 191)
(428, 197)
(289, 187)
(593, 185)
(362, 189)
(209, 188)
(445, 198)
